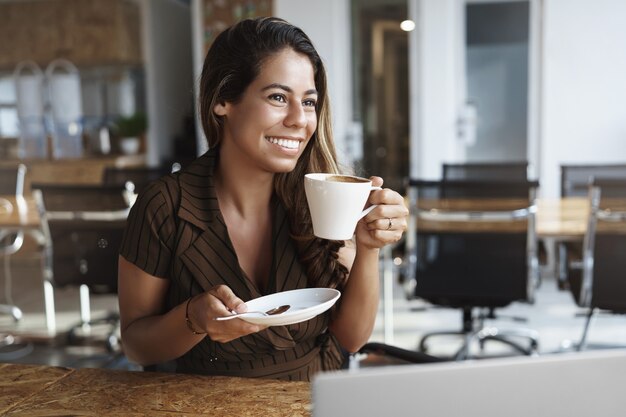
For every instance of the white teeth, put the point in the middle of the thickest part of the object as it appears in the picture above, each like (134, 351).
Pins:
(285, 143)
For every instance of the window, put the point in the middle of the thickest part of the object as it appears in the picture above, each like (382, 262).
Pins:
(8, 107)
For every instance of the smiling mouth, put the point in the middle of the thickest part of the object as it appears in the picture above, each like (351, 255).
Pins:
(284, 143)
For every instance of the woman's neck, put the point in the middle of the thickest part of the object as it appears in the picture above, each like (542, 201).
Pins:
(241, 189)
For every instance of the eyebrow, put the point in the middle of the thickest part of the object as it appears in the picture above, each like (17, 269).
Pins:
(287, 88)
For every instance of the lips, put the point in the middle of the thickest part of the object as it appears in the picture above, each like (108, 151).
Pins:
(283, 142)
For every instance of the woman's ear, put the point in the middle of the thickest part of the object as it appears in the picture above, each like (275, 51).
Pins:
(220, 109)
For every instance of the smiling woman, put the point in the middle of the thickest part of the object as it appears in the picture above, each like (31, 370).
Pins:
(234, 226)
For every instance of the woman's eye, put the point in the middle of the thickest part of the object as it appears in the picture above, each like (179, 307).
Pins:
(278, 97)
(310, 103)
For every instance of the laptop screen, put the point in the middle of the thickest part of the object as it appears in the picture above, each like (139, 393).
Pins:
(568, 384)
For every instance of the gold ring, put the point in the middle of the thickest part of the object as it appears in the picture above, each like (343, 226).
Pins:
(390, 223)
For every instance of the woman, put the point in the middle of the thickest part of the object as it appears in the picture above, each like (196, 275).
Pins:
(235, 224)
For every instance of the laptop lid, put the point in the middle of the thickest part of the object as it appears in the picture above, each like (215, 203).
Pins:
(568, 384)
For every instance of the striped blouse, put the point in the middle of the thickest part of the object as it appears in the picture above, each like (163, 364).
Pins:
(175, 231)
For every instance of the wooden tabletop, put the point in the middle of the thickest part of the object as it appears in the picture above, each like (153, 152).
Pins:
(19, 213)
(32, 390)
(86, 170)
(561, 218)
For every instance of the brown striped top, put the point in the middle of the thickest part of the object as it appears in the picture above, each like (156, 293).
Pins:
(175, 231)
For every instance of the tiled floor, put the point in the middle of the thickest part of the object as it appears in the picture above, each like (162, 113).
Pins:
(554, 315)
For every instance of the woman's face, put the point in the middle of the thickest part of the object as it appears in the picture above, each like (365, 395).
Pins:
(272, 123)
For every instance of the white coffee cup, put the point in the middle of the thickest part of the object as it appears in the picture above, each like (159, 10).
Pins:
(336, 203)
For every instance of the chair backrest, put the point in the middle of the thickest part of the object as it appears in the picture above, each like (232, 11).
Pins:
(575, 179)
(604, 247)
(487, 171)
(12, 179)
(139, 176)
(83, 226)
(475, 242)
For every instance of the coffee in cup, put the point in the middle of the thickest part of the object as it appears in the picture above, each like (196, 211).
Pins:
(336, 203)
(346, 178)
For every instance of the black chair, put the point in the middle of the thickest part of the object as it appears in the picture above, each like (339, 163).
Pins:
(598, 283)
(575, 181)
(11, 184)
(474, 248)
(576, 178)
(493, 171)
(486, 171)
(83, 226)
(139, 177)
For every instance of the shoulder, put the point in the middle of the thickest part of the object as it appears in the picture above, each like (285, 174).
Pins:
(160, 196)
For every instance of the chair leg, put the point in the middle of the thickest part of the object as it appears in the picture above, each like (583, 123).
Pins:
(14, 311)
(9, 307)
(85, 306)
(422, 347)
(583, 339)
(493, 333)
(466, 332)
(48, 294)
(463, 353)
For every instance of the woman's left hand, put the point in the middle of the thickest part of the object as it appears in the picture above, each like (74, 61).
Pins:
(386, 223)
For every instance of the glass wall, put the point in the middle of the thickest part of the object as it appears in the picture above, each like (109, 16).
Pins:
(497, 54)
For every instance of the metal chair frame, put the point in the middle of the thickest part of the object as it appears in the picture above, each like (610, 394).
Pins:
(470, 332)
(597, 214)
(101, 216)
(16, 242)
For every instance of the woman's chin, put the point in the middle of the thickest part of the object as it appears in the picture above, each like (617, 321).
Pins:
(282, 167)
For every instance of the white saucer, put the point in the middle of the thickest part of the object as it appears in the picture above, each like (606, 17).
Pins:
(305, 304)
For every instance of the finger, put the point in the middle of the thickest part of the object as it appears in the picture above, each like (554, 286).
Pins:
(239, 327)
(386, 236)
(376, 181)
(228, 298)
(388, 223)
(386, 196)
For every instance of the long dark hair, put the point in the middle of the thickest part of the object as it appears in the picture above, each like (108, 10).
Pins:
(234, 60)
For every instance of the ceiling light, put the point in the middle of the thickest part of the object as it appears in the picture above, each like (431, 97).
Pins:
(407, 25)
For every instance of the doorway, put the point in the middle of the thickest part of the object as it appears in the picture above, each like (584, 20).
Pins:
(381, 88)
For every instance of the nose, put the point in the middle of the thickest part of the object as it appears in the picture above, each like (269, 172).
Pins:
(295, 117)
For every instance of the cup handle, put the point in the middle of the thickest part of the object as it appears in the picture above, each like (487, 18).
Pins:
(367, 210)
(370, 208)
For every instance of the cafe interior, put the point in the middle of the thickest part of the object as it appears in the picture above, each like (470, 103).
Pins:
(501, 122)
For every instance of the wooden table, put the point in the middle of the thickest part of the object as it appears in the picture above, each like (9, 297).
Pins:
(33, 390)
(559, 218)
(562, 218)
(22, 214)
(85, 170)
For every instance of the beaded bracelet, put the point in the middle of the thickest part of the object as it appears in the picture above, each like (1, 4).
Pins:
(188, 321)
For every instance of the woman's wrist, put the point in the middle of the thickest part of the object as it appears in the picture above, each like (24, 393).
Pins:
(365, 250)
(190, 325)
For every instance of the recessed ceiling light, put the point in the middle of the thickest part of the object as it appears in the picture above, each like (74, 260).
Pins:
(407, 25)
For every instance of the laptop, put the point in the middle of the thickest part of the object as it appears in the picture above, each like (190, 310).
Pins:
(567, 384)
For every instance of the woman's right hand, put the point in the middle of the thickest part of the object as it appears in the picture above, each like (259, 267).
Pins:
(220, 301)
